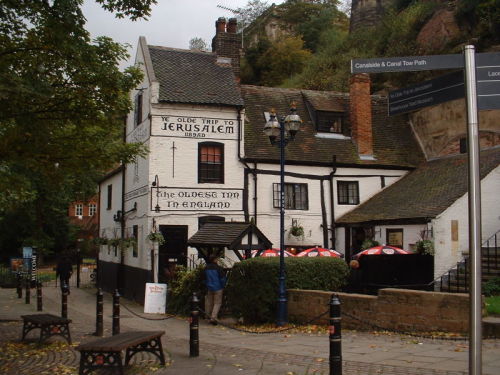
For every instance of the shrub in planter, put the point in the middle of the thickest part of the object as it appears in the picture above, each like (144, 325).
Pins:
(182, 287)
(252, 290)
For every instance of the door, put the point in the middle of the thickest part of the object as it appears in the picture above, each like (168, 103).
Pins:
(174, 250)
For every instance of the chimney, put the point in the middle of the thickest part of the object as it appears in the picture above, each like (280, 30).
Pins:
(227, 43)
(361, 114)
(231, 26)
(220, 25)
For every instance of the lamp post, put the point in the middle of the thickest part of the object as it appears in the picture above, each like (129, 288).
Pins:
(285, 128)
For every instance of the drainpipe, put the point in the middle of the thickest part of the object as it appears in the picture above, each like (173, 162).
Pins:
(240, 159)
(332, 203)
(121, 269)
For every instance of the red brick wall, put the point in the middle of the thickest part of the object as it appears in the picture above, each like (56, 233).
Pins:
(393, 309)
(227, 43)
(361, 113)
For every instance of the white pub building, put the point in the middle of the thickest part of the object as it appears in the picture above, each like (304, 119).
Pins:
(209, 161)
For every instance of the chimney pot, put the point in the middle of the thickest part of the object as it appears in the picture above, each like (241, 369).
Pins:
(232, 25)
(220, 25)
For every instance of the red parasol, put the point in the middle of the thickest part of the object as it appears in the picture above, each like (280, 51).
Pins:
(381, 249)
(319, 252)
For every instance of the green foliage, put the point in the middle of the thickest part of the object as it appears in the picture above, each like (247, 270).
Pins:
(482, 18)
(367, 243)
(329, 68)
(253, 284)
(62, 104)
(181, 289)
(492, 287)
(425, 247)
(156, 237)
(493, 305)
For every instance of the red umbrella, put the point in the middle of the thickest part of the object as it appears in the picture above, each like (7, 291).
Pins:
(319, 252)
(381, 249)
(271, 253)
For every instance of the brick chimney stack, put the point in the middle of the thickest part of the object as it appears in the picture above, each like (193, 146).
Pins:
(227, 43)
(361, 114)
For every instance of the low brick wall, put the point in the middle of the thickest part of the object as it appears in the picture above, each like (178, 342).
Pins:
(393, 309)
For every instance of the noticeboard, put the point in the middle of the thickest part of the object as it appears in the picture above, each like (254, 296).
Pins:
(155, 298)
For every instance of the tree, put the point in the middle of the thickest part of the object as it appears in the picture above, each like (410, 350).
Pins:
(249, 13)
(283, 59)
(62, 104)
(198, 44)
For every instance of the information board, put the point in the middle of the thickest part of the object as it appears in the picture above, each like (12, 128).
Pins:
(156, 297)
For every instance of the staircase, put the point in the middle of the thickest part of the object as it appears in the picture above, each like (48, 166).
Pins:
(457, 279)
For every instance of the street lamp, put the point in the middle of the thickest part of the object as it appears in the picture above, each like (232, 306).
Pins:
(285, 128)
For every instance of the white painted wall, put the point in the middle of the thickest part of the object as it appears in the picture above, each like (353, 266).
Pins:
(109, 228)
(449, 253)
(311, 219)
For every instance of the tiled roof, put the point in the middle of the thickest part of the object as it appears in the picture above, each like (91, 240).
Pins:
(193, 77)
(393, 140)
(423, 193)
(227, 234)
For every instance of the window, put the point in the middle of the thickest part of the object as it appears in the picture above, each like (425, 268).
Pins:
(394, 237)
(295, 196)
(209, 219)
(211, 163)
(79, 210)
(138, 109)
(92, 209)
(110, 197)
(348, 192)
(329, 122)
(135, 234)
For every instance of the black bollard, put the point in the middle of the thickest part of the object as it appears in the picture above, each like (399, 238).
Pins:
(99, 321)
(19, 286)
(194, 341)
(116, 313)
(335, 337)
(64, 301)
(28, 292)
(39, 306)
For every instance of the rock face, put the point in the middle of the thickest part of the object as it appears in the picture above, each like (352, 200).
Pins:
(440, 30)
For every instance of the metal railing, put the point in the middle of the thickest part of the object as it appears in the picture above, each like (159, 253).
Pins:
(456, 279)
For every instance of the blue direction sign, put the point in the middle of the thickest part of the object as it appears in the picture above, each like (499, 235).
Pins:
(488, 80)
(407, 64)
(432, 92)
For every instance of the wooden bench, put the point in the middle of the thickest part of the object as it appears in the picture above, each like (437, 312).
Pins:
(50, 325)
(106, 352)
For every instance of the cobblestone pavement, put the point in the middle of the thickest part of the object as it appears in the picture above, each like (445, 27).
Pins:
(224, 351)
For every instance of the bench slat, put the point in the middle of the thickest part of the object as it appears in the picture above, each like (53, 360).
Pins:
(45, 319)
(120, 342)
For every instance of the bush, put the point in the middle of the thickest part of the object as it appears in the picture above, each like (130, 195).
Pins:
(252, 290)
(181, 288)
(492, 287)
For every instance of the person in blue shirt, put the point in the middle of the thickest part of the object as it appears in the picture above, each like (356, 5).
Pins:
(215, 282)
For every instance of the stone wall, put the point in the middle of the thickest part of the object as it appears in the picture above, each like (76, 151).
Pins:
(392, 309)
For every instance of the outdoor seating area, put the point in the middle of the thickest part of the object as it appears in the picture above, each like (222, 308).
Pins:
(107, 352)
(49, 325)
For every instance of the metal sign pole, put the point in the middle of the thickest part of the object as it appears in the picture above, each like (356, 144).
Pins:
(475, 334)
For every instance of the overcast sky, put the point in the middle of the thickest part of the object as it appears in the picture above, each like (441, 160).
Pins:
(172, 22)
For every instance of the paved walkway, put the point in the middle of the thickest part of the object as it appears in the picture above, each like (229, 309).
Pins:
(225, 351)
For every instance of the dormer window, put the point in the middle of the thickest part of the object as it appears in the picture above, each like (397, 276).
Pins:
(329, 122)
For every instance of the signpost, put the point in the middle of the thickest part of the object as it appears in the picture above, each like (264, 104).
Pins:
(481, 93)
(432, 92)
(407, 64)
(488, 80)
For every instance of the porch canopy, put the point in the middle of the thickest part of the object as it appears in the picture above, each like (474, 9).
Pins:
(213, 238)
